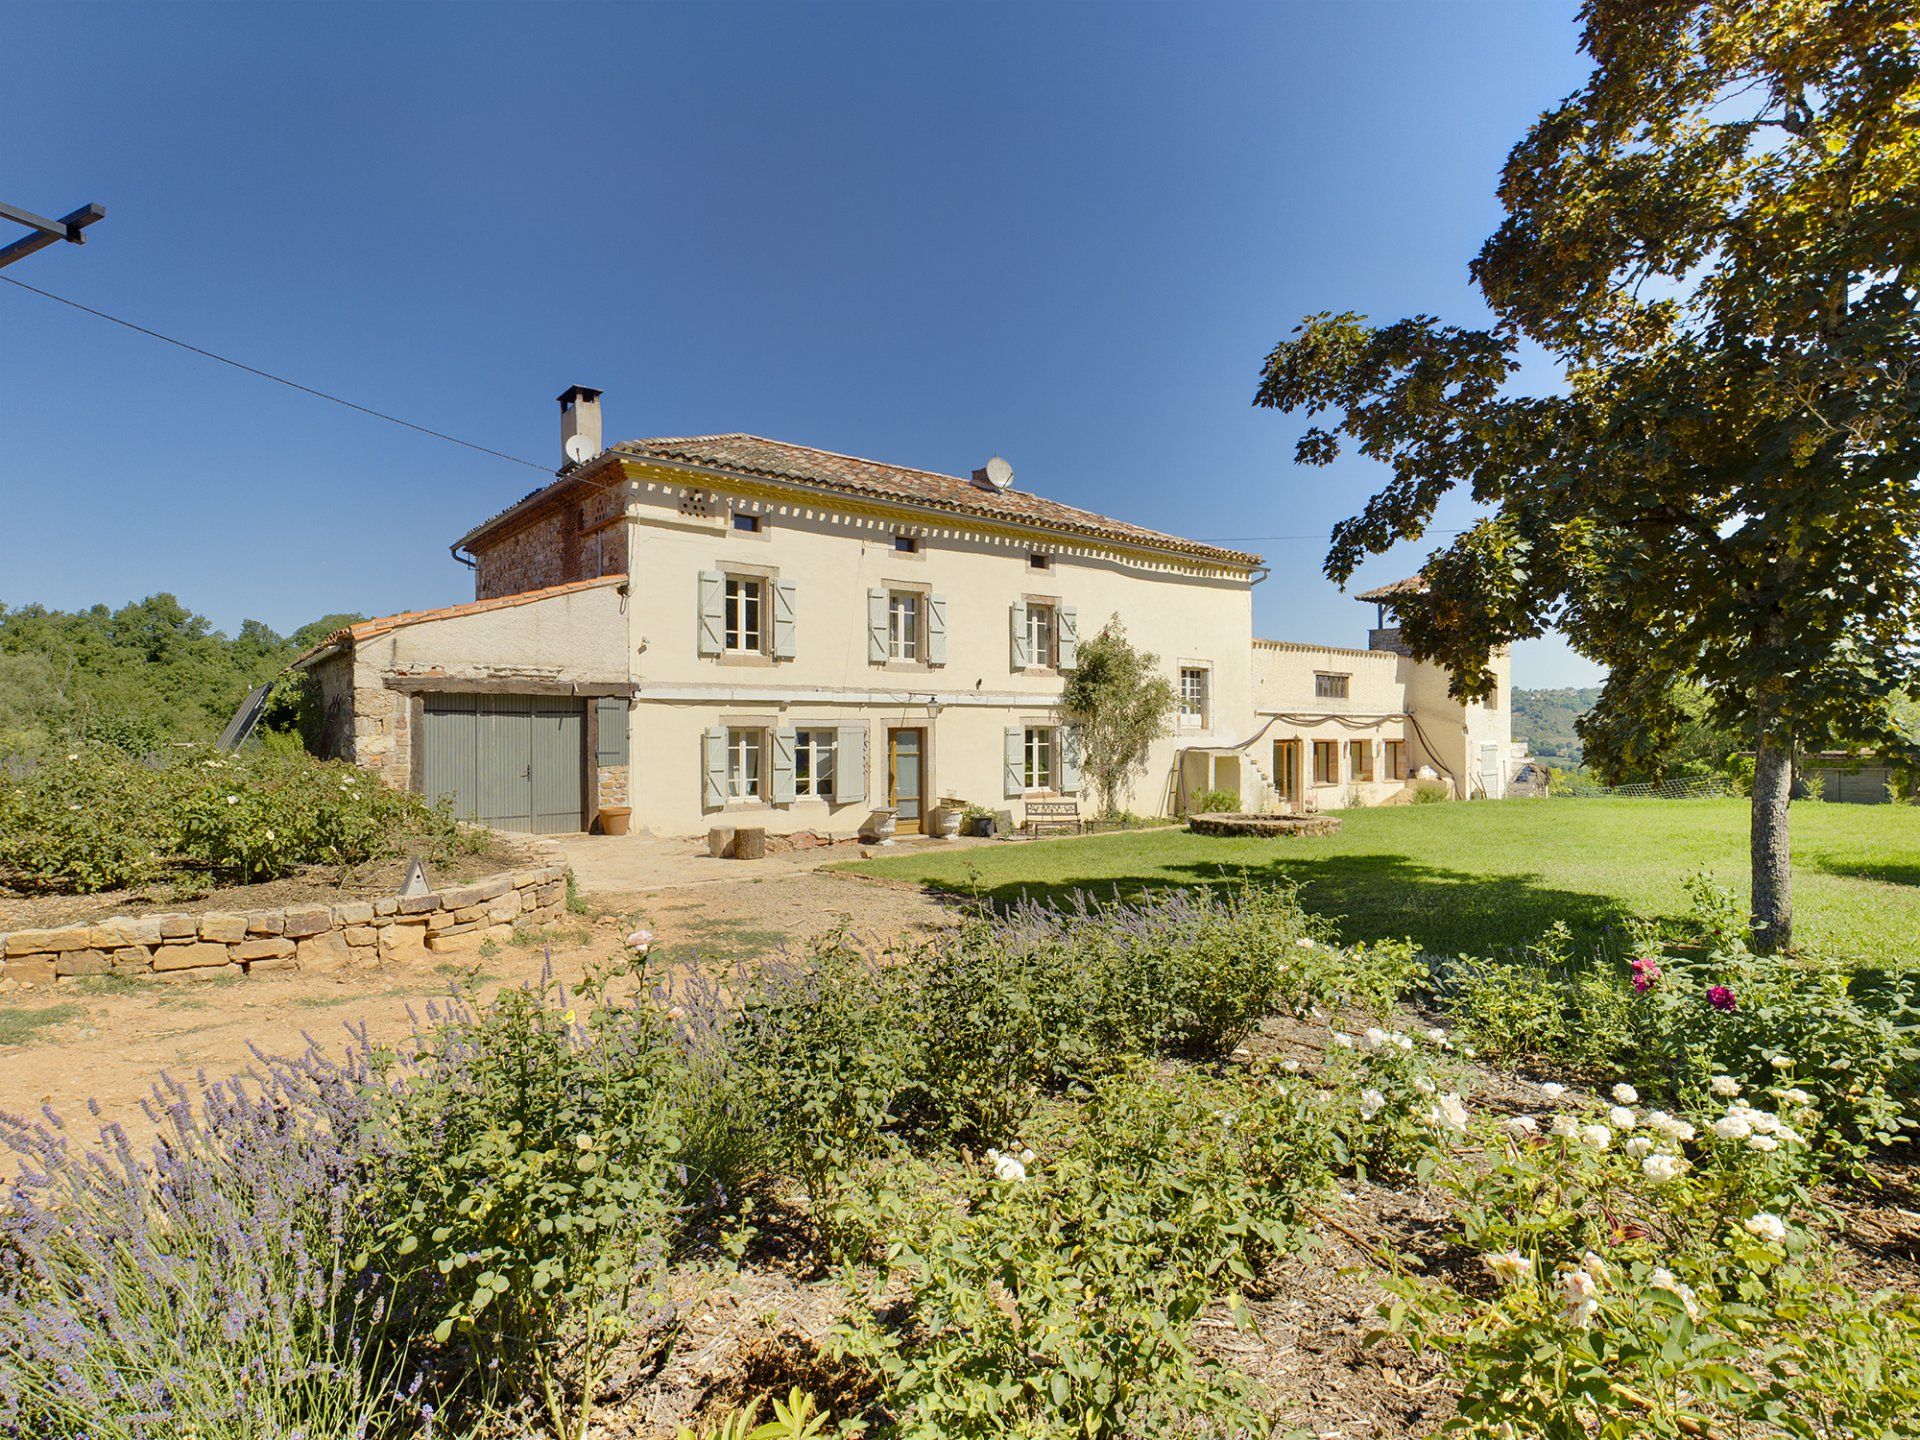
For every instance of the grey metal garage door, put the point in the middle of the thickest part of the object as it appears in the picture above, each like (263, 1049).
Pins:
(516, 762)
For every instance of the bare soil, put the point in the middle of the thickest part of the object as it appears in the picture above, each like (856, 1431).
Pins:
(310, 885)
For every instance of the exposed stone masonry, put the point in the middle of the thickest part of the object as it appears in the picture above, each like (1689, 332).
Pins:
(383, 931)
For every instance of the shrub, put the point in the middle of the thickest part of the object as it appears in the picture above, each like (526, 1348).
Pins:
(1058, 1299)
(528, 1176)
(1212, 802)
(95, 818)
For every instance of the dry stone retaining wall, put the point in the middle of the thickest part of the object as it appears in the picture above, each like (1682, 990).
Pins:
(386, 930)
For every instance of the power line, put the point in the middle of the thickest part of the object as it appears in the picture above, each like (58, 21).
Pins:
(278, 379)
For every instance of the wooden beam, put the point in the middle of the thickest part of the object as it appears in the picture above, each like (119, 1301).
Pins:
(48, 232)
(430, 684)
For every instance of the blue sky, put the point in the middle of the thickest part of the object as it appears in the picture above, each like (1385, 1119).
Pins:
(1066, 234)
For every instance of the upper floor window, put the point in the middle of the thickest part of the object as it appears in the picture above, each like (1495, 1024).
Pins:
(745, 628)
(750, 524)
(1041, 630)
(903, 625)
(1330, 686)
(1193, 694)
(906, 545)
(1039, 561)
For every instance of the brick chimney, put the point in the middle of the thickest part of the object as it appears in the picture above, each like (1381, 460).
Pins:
(579, 425)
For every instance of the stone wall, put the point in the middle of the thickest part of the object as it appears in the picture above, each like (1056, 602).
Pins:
(383, 931)
(573, 541)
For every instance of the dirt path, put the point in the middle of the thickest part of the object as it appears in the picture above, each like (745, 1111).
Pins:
(107, 1041)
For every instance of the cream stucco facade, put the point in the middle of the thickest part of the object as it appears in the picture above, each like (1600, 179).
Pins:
(795, 642)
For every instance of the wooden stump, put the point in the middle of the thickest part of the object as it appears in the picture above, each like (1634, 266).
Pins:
(750, 843)
(720, 841)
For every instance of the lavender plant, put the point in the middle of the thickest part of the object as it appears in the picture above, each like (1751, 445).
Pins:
(202, 1288)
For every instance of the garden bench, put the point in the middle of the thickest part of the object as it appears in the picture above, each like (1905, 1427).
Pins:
(1061, 815)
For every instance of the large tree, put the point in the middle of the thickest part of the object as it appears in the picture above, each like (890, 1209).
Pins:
(1714, 241)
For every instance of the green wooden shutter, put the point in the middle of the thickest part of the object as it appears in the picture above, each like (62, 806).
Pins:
(936, 630)
(610, 730)
(713, 767)
(850, 764)
(783, 619)
(1069, 637)
(876, 627)
(1066, 740)
(783, 767)
(1015, 756)
(1017, 619)
(713, 612)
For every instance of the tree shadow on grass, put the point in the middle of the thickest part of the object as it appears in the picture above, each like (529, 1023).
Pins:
(1888, 872)
(1366, 897)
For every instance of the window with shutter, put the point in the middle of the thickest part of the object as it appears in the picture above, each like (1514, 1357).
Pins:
(1014, 758)
(1069, 637)
(610, 730)
(783, 767)
(712, 612)
(1067, 743)
(876, 627)
(936, 630)
(1022, 653)
(850, 765)
(713, 768)
(784, 620)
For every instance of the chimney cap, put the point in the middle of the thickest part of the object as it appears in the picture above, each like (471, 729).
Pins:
(579, 392)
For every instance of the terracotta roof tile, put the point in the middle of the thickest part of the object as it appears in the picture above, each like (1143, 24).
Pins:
(755, 456)
(1412, 585)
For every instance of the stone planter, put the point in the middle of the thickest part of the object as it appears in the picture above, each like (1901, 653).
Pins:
(879, 827)
(943, 822)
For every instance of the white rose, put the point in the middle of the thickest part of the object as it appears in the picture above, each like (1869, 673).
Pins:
(1663, 1169)
(1663, 1279)
(1375, 1037)
(1304, 942)
(1781, 1062)
(1579, 1297)
(1639, 1145)
(1596, 1137)
(1423, 1085)
(1725, 1086)
(1520, 1127)
(1797, 1096)
(1372, 1102)
(1626, 1094)
(1764, 1143)
(1343, 1040)
(1762, 1122)
(1449, 1113)
(1553, 1090)
(1565, 1126)
(1621, 1118)
(1732, 1127)
(1765, 1225)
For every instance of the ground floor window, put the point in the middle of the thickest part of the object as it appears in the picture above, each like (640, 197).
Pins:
(1396, 759)
(1360, 759)
(745, 749)
(1326, 762)
(1193, 695)
(813, 763)
(1039, 764)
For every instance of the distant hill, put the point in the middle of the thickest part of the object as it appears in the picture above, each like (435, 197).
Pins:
(1544, 719)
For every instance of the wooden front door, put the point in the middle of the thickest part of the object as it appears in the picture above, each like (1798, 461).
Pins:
(1286, 770)
(907, 778)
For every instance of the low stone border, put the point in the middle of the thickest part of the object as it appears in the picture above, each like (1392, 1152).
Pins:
(317, 937)
(1219, 824)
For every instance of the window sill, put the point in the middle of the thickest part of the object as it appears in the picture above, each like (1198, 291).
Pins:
(747, 659)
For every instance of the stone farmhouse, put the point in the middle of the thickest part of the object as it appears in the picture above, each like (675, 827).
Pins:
(726, 630)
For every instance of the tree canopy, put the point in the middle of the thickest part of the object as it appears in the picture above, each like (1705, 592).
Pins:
(1120, 703)
(1714, 240)
(147, 673)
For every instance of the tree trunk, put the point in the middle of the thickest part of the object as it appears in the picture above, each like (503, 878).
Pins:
(1772, 860)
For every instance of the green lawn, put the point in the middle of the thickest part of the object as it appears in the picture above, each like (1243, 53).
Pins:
(1491, 874)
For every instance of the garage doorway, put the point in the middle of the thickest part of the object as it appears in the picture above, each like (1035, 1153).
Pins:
(515, 762)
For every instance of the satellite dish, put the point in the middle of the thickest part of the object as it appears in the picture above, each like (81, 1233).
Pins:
(579, 449)
(996, 474)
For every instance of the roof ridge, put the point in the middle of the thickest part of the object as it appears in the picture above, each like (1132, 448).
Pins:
(813, 449)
